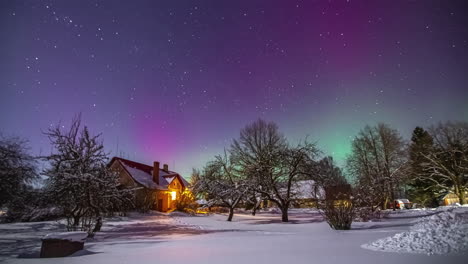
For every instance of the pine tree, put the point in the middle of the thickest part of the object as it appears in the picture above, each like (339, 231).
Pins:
(445, 167)
(421, 190)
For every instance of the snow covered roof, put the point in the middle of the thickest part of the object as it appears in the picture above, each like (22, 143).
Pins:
(143, 174)
(307, 189)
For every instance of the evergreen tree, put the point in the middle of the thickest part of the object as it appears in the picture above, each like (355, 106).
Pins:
(421, 190)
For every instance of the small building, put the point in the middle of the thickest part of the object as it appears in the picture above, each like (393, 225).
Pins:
(304, 194)
(449, 199)
(156, 188)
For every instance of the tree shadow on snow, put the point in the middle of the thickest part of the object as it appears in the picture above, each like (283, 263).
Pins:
(379, 226)
(37, 254)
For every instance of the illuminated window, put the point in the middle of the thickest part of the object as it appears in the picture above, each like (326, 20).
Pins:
(173, 195)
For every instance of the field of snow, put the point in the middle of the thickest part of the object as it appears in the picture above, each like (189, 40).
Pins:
(158, 238)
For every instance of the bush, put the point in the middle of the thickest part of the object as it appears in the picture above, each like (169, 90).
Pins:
(31, 206)
(218, 210)
(186, 203)
(338, 214)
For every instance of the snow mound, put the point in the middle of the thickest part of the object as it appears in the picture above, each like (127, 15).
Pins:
(77, 236)
(442, 233)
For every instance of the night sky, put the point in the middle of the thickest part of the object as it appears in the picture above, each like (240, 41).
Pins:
(175, 81)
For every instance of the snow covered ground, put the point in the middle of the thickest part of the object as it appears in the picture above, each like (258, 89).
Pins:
(177, 239)
(445, 232)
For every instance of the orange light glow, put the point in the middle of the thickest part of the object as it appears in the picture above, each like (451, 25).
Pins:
(173, 195)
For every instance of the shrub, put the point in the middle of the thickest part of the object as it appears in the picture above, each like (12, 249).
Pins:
(186, 203)
(338, 214)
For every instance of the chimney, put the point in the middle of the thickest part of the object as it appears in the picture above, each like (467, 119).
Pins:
(156, 172)
(165, 168)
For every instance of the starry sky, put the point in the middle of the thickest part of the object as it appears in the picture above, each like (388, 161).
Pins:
(175, 81)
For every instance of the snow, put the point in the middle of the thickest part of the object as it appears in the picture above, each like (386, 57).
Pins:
(445, 232)
(179, 238)
(169, 179)
(141, 177)
(77, 236)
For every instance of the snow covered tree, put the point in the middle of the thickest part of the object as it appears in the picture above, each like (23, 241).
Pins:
(378, 162)
(221, 184)
(17, 169)
(270, 163)
(446, 166)
(79, 180)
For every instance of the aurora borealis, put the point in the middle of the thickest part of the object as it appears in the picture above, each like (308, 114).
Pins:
(175, 81)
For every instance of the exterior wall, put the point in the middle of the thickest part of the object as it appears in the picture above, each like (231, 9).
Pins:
(141, 195)
(161, 203)
(177, 188)
(450, 199)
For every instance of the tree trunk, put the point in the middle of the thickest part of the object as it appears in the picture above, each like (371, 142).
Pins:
(461, 195)
(392, 195)
(284, 214)
(97, 226)
(231, 214)
(385, 203)
(76, 220)
(256, 207)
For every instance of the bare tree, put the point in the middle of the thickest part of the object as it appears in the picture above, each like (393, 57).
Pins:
(378, 162)
(221, 184)
(271, 165)
(17, 169)
(446, 167)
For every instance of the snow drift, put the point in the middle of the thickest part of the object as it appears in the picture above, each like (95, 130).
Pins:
(442, 233)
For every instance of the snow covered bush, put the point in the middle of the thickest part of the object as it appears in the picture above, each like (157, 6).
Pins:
(31, 207)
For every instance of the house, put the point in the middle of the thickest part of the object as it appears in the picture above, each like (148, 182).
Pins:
(156, 188)
(450, 198)
(307, 193)
(304, 194)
